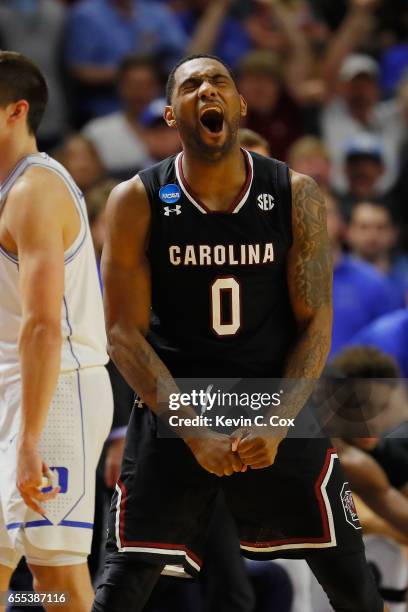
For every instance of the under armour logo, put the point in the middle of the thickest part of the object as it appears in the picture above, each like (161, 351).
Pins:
(176, 209)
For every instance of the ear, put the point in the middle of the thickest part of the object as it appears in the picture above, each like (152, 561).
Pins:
(169, 117)
(244, 106)
(17, 111)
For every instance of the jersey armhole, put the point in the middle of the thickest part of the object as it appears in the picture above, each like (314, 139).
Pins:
(284, 187)
(75, 247)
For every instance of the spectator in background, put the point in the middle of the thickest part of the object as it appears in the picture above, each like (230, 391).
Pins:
(390, 334)
(101, 33)
(214, 30)
(360, 293)
(117, 136)
(357, 108)
(364, 167)
(82, 161)
(372, 394)
(400, 193)
(253, 142)
(96, 198)
(272, 112)
(372, 237)
(160, 140)
(35, 28)
(308, 155)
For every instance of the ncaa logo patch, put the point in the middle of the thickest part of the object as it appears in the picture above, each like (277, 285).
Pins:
(266, 201)
(170, 194)
(349, 508)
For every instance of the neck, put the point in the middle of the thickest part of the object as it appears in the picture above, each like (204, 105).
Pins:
(382, 262)
(13, 152)
(215, 176)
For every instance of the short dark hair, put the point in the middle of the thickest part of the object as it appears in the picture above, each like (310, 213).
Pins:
(365, 361)
(189, 58)
(20, 79)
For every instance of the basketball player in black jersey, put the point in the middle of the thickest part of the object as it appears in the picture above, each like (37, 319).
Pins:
(218, 221)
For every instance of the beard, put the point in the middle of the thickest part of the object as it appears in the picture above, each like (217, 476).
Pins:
(193, 140)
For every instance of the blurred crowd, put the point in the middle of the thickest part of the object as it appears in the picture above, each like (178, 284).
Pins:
(327, 88)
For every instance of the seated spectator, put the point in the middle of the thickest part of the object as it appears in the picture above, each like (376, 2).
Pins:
(117, 136)
(360, 293)
(357, 108)
(160, 140)
(82, 161)
(390, 334)
(213, 30)
(35, 29)
(253, 142)
(308, 155)
(372, 237)
(100, 33)
(364, 168)
(272, 112)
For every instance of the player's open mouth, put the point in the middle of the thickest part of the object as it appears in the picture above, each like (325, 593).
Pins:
(212, 119)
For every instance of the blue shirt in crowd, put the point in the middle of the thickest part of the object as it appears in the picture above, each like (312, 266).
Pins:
(389, 334)
(99, 35)
(360, 295)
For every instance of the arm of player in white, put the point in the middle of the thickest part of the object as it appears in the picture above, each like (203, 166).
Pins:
(38, 212)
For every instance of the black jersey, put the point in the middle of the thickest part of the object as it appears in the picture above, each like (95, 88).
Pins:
(220, 296)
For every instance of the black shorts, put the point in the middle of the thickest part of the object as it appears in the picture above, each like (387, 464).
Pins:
(163, 500)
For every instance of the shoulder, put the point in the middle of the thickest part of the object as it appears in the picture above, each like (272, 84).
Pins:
(38, 202)
(40, 185)
(368, 273)
(301, 181)
(386, 327)
(306, 194)
(128, 200)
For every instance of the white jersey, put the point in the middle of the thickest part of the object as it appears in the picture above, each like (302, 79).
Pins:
(82, 321)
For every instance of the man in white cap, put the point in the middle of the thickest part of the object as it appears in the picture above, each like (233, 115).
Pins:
(357, 108)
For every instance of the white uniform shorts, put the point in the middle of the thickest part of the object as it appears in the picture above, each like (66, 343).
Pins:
(78, 423)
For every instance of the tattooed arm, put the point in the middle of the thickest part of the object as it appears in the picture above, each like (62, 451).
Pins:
(309, 273)
(310, 280)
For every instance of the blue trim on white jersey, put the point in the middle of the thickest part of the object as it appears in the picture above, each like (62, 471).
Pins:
(9, 256)
(78, 524)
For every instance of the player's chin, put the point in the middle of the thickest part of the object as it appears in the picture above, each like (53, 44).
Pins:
(212, 139)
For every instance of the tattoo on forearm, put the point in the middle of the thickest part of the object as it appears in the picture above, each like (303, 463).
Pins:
(308, 357)
(313, 269)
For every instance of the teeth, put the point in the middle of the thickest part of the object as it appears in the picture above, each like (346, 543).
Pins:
(212, 108)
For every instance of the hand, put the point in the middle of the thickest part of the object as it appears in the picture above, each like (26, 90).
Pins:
(213, 452)
(255, 450)
(113, 461)
(30, 472)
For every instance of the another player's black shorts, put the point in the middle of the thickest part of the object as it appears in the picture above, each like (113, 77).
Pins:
(163, 500)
